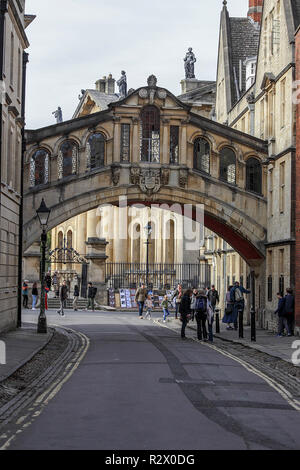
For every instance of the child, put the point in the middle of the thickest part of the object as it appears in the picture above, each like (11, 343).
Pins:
(149, 307)
(165, 306)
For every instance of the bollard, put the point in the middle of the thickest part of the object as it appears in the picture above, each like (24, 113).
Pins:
(217, 312)
(253, 324)
(241, 323)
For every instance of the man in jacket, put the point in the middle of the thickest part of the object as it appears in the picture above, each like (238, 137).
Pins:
(140, 298)
(213, 297)
(63, 295)
(237, 298)
(290, 311)
(92, 291)
(282, 321)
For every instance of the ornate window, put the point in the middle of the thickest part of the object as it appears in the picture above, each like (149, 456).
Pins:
(228, 165)
(95, 148)
(202, 155)
(39, 168)
(174, 144)
(254, 175)
(150, 134)
(125, 142)
(67, 159)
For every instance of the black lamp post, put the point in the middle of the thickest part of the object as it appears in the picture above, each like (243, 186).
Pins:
(148, 231)
(43, 214)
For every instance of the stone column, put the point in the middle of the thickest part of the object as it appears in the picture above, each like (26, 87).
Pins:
(183, 146)
(135, 141)
(120, 242)
(96, 255)
(81, 233)
(32, 258)
(91, 224)
(166, 143)
(117, 136)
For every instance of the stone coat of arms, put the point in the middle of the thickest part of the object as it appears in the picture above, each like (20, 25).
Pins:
(149, 180)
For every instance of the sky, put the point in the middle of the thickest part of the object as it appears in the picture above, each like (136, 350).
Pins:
(73, 43)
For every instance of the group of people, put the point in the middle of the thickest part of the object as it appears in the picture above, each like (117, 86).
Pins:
(286, 313)
(235, 303)
(63, 296)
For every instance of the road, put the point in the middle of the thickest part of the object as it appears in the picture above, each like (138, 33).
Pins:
(141, 387)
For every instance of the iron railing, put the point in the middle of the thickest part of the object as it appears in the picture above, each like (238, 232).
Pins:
(161, 276)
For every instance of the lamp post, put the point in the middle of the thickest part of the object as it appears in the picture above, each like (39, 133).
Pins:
(148, 231)
(43, 214)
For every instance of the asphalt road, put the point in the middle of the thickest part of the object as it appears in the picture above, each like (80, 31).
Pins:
(140, 387)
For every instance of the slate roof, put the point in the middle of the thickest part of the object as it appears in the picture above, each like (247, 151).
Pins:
(206, 93)
(244, 41)
(102, 100)
(296, 12)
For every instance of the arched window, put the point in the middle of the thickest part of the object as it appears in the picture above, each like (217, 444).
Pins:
(95, 151)
(254, 175)
(39, 168)
(202, 155)
(67, 159)
(228, 165)
(150, 134)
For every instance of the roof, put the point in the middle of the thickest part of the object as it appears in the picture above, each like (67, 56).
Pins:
(102, 100)
(296, 12)
(206, 93)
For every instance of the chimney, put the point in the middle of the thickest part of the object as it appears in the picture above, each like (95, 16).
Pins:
(255, 10)
(106, 85)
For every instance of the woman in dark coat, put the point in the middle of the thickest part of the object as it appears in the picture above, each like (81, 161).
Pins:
(185, 310)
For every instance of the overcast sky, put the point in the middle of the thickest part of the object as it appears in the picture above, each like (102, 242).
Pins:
(76, 42)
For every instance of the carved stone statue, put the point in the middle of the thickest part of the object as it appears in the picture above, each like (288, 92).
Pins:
(189, 64)
(122, 84)
(58, 115)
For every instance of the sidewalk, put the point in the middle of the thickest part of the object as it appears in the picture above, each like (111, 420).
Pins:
(21, 345)
(266, 341)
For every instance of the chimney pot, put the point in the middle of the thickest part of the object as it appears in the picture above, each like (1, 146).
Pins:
(255, 10)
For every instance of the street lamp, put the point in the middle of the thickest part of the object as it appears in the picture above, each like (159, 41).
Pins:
(43, 214)
(148, 231)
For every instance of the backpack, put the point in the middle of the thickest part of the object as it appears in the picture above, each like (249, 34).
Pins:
(238, 296)
(201, 305)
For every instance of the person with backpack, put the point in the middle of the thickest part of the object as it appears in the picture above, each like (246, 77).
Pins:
(213, 297)
(201, 315)
(290, 311)
(140, 298)
(92, 292)
(185, 310)
(237, 298)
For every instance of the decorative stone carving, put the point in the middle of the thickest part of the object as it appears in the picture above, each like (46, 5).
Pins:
(115, 175)
(189, 64)
(153, 90)
(162, 94)
(143, 93)
(165, 176)
(122, 84)
(135, 175)
(152, 81)
(183, 177)
(149, 180)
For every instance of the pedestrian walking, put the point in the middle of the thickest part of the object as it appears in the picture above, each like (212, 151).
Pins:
(228, 318)
(213, 297)
(290, 311)
(34, 294)
(193, 303)
(201, 315)
(25, 294)
(237, 298)
(282, 320)
(63, 295)
(165, 306)
(76, 297)
(92, 292)
(185, 310)
(178, 297)
(210, 321)
(149, 307)
(140, 298)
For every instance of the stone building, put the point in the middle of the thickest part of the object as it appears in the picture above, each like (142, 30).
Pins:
(257, 99)
(13, 42)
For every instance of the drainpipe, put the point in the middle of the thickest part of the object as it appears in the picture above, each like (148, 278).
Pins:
(3, 10)
(20, 260)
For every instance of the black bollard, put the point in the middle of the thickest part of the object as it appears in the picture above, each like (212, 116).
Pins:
(253, 324)
(241, 323)
(217, 312)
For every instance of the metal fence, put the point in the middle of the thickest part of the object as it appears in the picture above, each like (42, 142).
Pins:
(161, 276)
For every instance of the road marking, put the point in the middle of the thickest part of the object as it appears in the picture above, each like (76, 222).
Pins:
(43, 400)
(275, 385)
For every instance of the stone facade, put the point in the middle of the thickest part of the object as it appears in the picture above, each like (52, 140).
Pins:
(13, 24)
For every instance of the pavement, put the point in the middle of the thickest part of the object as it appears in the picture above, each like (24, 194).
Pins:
(20, 346)
(140, 386)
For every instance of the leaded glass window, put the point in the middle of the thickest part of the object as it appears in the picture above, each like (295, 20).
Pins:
(174, 144)
(39, 168)
(125, 142)
(202, 155)
(150, 135)
(67, 159)
(228, 165)
(95, 151)
(254, 175)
